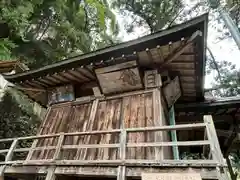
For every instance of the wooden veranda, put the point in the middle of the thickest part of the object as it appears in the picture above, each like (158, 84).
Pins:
(211, 167)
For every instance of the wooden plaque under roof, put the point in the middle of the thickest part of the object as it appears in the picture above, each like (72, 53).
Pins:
(119, 78)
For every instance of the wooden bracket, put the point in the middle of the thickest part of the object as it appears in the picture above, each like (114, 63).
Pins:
(175, 54)
(152, 79)
(97, 92)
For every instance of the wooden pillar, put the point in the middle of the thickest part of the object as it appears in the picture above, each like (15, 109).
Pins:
(50, 174)
(8, 157)
(215, 147)
(2, 168)
(212, 137)
(231, 172)
(11, 151)
(173, 133)
(158, 121)
(122, 151)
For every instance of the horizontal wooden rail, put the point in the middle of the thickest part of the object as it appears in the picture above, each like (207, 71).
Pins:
(90, 146)
(120, 162)
(161, 144)
(130, 145)
(127, 162)
(167, 128)
(111, 131)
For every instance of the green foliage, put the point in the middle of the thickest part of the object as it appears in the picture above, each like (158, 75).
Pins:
(153, 14)
(47, 31)
(227, 82)
(17, 118)
(5, 49)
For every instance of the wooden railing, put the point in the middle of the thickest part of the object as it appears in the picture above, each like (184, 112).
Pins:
(211, 140)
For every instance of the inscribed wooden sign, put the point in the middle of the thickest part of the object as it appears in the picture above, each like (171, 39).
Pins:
(171, 176)
(119, 78)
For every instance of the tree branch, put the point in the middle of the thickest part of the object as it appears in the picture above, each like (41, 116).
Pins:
(215, 64)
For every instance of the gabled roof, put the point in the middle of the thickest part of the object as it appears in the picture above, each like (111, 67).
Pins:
(151, 51)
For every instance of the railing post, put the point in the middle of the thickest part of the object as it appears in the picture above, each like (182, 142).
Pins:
(123, 142)
(8, 157)
(122, 153)
(215, 147)
(212, 137)
(50, 174)
(59, 145)
(11, 151)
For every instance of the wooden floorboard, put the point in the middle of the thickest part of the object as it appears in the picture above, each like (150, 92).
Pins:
(206, 173)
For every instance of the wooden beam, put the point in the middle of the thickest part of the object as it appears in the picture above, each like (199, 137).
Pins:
(70, 76)
(30, 89)
(231, 136)
(175, 54)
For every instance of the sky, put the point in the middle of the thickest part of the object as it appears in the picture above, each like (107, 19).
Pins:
(225, 49)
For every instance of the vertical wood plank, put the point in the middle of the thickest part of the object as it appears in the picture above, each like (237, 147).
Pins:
(101, 117)
(116, 125)
(149, 123)
(125, 117)
(140, 151)
(32, 153)
(157, 119)
(82, 127)
(90, 125)
(133, 123)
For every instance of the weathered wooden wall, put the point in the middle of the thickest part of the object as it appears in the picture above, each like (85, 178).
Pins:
(124, 112)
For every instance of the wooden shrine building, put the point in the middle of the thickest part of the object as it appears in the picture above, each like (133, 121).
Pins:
(126, 111)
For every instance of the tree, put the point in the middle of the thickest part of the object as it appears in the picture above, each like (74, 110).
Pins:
(46, 31)
(153, 15)
(227, 83)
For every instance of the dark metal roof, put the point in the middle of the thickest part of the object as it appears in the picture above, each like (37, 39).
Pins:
(214, 107)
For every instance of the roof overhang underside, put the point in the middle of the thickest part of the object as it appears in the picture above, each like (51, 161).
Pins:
(179, 49)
